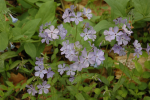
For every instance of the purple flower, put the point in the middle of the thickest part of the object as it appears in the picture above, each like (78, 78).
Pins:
(40, 71)
(126, 30)
(88, 26)
(72, 7)
(78, 65)
(66, 16)
(108, 34)
(98, 56)
(62, 31)
(137, 52)
(123, 39)
(117, 48)
(77, 17)
(88, 34)
(148, 48)
(39, 61)
(44, 87)
(61, 68)
(118, 20)
(116, 33)
(31, 89)
(70, 70)
(52, 33)
(41, 28)
(122, 52)
(77, 45)
(64, 49)
(50, 73)
(71, 78)
(45, 38)
(87, 13)
(136, 44)
(46, 24)
(87, 58)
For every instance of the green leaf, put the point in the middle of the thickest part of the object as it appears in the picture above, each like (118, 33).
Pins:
(9, 84)
(119, 83)
(9, 92)
(3, 41)
(54, 54)
(142, 86)
(147, 64)
(104, 24)
(118, 8)
(97, 91)
(146, 98)
(72, 89)
(29, 29)
(132, 92)
(40, 48)
(2, 6)
(138, 67)
(25, 95)
(125, 70)
(146, 74)
(14, 64)
(8, 54)
(79, 96)
(30, 49)
(3, 87)
(46, 12)
(28, 82)
(2, 68)
(136, 79)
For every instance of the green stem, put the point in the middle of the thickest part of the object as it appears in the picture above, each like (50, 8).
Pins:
(76, 33)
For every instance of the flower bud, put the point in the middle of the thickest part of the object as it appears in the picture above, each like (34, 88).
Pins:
(14, 20)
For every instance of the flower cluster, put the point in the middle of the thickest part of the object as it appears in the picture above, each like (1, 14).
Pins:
(69, 15)
(51, 33)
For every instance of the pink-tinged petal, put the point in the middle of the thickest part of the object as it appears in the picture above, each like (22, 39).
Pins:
(52, 28)
(37, 73)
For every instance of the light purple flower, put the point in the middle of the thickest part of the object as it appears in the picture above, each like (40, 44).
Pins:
(77, 45)
(41, 28)
(88, 59)
(31, 90)
(136, 44)
(77, 17)
(14, 20)
(52, 32)
(50, 73)
(137, 52)
(123, 39)
(62, 31)
(39, 61)
(117, 48)
(98, 56)
(45, 38)
(40, 71)
(118, 20)
(70, 70)
(87, 13)
(108, 34)
(126, 30)
(61, 68)
(66, 16)
(44, 87)
(148, 48)
(72, 7)
(87, 25)
(115, 33)
(88, 34)
(122, 52)
(65, 47)
(71, 78)
(46, 24)
(78, 65)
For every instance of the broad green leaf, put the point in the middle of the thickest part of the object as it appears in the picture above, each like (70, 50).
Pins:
(9, 92)
(125, 70)
(30, 27)
(46, 12)
(138, 66)
(118, 8)
(147, 64)
(3, 41)
(14, 64)
(30, 49)
(142, 86)
(97, 91)
(24, 4)
(79, 96)
(40, 48)
(9, 84)
(2, 68)
(7, 55)
(104, 24)
(2, 6)
(72, 89)
(3, 87)
(146, 74)
(132, 92)
(136, 79)
(119, 83)
(25, 95)
(146, 98)
(17, 33)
